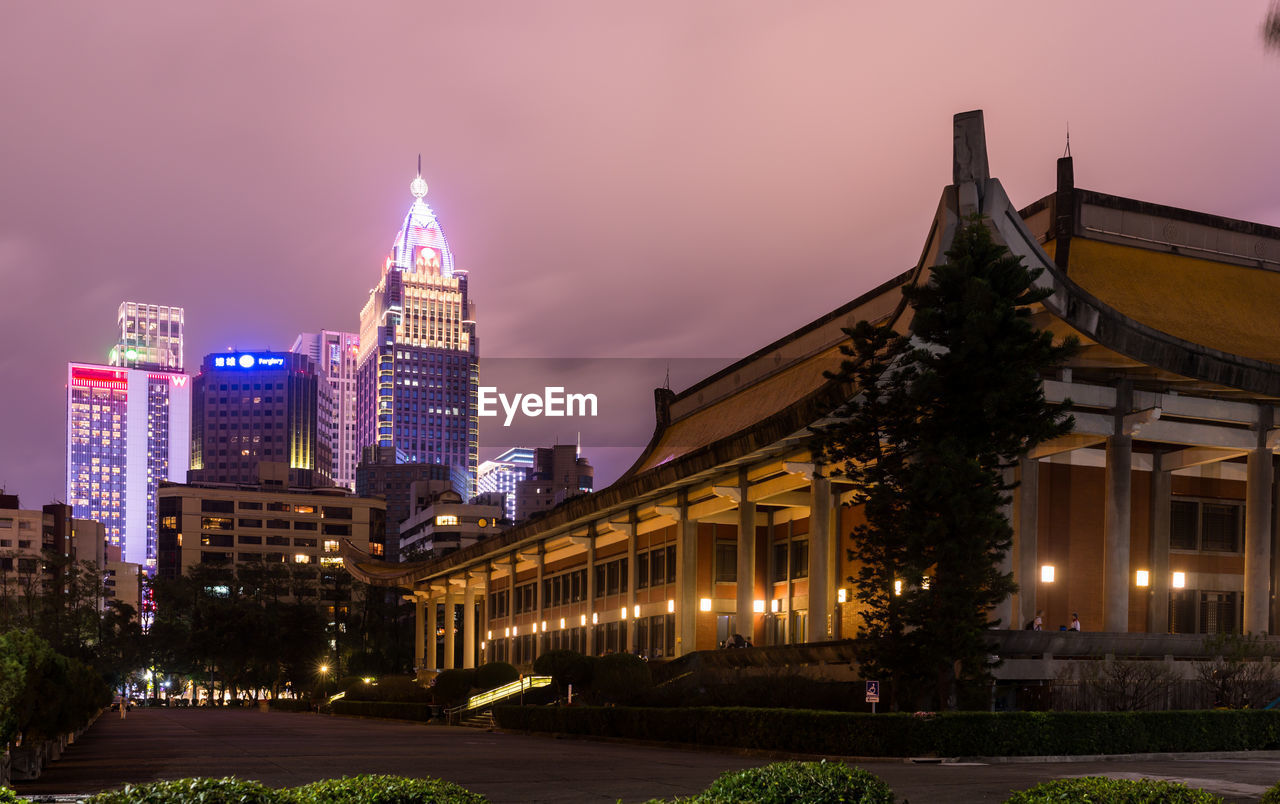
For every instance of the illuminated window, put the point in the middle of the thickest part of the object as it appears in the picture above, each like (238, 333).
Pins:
(301, 558)
(446, 519)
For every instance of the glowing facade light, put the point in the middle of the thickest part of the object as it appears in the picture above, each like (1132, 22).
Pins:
(636, 612)
(842, 595)
(624, 613)
(1047, 573)
(773, 605)
(544, 625)
(562, 622)
(704, 604)
(1142, 578)
(508, 633)
(515, 630)
(582, 620)
(897, 588)
(488, 635)
(595, 618)
(1179, 580)
(671, 606)
(758, 607)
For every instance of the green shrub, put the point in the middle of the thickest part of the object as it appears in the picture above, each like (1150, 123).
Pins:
(792, 782)
(370, 789)
(451, 687)
(7, 796)
(495, 674)
(191, 791)
(1272, 796)
(565, 667)
(1088, 789)
(619, 676)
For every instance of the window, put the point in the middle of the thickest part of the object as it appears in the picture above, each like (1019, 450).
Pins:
(278, 524)
(216, 540)
(215, 523)
(800, 559)
(250, 523)
(250, 506)
(249, 539)
(304, 525)
(726, 562)
(304, 542)
(330, 512)
(446, 519)
(217, 506)
(278, 506)
(780, 552)
(336, 530)
(1210, 526)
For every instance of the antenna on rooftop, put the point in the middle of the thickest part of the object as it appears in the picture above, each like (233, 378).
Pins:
(1067, 153)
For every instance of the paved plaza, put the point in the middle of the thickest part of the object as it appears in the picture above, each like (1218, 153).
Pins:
(285, 749)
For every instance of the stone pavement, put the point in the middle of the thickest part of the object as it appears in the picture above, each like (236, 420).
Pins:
(285, 749)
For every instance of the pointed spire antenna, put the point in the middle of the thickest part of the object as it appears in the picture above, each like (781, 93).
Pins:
(1067, 153)
(419, 164)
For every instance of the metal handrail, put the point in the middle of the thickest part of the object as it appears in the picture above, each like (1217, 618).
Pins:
(498, 694)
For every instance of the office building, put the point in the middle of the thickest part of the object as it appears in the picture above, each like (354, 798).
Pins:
(150, 337)
(557, 474)
(501, 475)
(334, 354)
(251, 407)
(383, 472)
(417, 369)
(440, 522)
(127, 429)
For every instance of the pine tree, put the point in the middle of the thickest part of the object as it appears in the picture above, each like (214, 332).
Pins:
(938, 418)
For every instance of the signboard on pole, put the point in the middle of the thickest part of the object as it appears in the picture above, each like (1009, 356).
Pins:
(873, 692)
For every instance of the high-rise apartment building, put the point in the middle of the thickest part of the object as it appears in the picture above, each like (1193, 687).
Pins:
(500, 476)
(417, 366)
(334, 354)
(252, 407)
(150, 336)
(127, 429)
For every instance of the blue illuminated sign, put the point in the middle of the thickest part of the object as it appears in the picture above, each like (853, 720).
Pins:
(248, 361)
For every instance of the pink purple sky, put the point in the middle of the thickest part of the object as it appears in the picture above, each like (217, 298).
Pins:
(659, 179)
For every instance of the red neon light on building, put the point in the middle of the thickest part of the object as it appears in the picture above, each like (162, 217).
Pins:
(99, 378)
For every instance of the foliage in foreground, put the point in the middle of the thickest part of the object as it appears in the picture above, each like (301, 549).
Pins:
(1272, 795)
(7, 796)
(1089, 789)
(809, 782)
(180, 791)
(375, 789)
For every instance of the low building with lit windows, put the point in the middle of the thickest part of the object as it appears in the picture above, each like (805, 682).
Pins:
(233, 525)
(440, 522)
(1153, 519)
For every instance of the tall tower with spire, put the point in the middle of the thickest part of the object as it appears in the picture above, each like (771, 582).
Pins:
(417, 369)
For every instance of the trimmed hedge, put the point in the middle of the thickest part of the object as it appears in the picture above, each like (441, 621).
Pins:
(374, 789)
(1089, 789)
(899, 735)
(179, 791)
(394, 710)
(792, 782)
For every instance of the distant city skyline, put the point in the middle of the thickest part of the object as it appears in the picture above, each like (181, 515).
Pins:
(671, 179)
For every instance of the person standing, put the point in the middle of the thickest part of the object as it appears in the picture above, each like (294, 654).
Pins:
(1075, 621)
(1038, 623)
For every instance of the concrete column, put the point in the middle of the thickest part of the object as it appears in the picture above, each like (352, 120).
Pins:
(449, 663)
(1115, 551)
(633, 631)
(539, 637)
(686, 583)
(746, 561)
(1257, 532)
(485, 628)
(432, 664)
(1026, 502)
(419, 631)
(821, 572)
(1161, 511)
(591, 589)
(469, 626)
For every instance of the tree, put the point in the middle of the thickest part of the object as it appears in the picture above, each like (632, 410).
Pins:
(939, 416)
(1271, 27)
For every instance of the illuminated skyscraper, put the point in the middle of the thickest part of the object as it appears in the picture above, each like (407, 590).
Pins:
(127, 429)
(500, 476)
(334, 354)
(255, 407)
(150, 336)
(417, 367)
